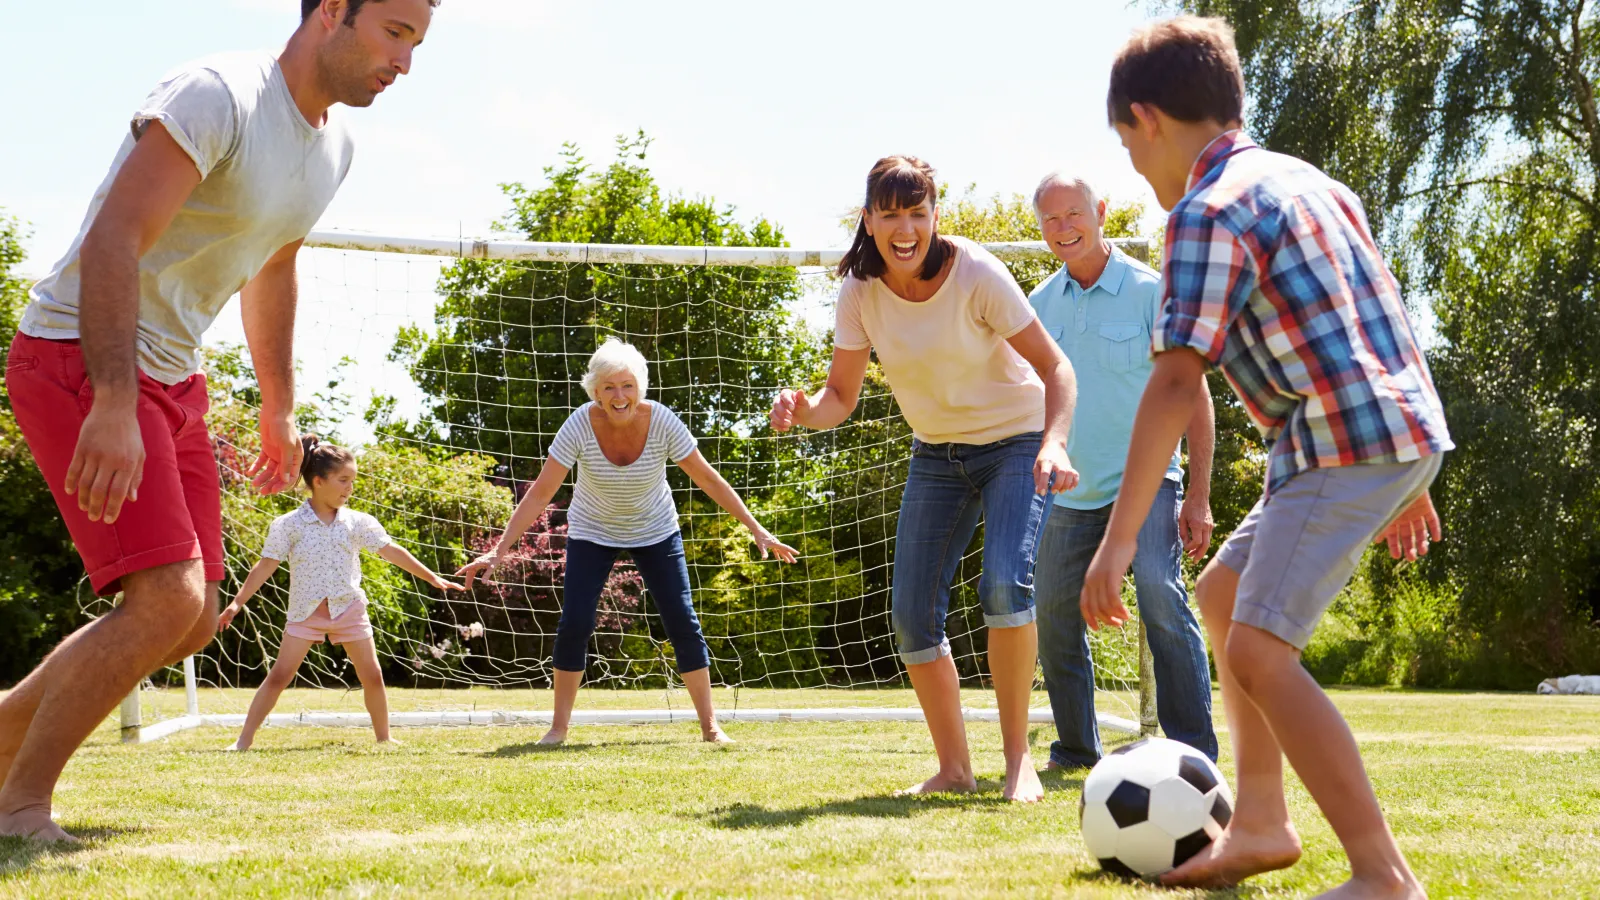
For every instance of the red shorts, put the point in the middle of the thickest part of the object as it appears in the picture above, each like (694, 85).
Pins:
(178, 515)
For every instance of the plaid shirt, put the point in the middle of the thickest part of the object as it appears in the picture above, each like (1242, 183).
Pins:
(1272, 274)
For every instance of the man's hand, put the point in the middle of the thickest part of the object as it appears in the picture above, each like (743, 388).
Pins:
(1101, 600)
(1409, 535)
(278, 465)
(108, 463)
(1195, 525)
(1052, 471)
(786, 409)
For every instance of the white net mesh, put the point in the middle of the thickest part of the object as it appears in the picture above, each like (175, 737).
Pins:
(451, 377)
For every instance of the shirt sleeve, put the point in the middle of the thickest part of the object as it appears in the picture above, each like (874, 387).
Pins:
(279, 543)
(848, 331)
(199, 111)
(1208, 275)
(370, 535)
(567, 446)
(999, 301)
(681, 443)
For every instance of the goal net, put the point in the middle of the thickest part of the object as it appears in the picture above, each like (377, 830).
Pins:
(448, 366)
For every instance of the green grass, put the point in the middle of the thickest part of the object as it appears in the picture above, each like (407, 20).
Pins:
(1491, 796)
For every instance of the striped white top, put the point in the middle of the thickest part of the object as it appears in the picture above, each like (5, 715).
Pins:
(622, 506)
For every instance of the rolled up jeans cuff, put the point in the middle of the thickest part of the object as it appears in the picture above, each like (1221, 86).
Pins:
(932, 654)
(1011, 620)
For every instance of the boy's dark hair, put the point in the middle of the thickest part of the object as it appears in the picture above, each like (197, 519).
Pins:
(895, 182)
(307, 7)
(1187, 67)
(321, 460)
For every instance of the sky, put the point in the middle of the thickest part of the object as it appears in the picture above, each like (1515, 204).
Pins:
(778, 109)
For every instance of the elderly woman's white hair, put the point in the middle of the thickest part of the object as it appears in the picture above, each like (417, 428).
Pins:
(616, 356)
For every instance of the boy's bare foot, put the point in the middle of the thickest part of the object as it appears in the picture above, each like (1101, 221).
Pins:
(942, 783)
(1022, 782)
(553, 738)
(33, 822)
(235, 747)
(1235, 856)
(715, 735)
(390, 742)
(1398, 886)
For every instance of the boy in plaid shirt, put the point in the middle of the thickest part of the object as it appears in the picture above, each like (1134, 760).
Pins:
(1272, 274)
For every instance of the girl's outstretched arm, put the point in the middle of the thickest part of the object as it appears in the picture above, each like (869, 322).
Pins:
(397, 555)
(258, 576)
(708, 479)
(528, 512)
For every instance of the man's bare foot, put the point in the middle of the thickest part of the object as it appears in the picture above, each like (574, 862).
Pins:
(715, 735)
(1397, 886)
(1235, 856)
(1051, 765)
(553, 738)
(1022, 782)
(33, 822)
(942, 783)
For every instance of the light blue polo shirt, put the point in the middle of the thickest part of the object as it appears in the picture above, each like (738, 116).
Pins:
(1105, 332)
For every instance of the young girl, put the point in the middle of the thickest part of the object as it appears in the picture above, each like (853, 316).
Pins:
(321, 541)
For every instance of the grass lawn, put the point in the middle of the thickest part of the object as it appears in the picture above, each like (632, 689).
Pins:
(1491, 796)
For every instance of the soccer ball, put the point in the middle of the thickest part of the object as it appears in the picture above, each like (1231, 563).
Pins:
(1149, 806)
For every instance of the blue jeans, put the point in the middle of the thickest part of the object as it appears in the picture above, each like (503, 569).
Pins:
(1183, 675)
(666, 576)
(947, 487)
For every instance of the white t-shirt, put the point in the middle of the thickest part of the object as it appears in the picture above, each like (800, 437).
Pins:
(622, 506)
(266, 176)
(324, 560)
(946, 358)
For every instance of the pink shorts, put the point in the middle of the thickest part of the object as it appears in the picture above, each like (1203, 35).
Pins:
(352, 625)
(178, 515)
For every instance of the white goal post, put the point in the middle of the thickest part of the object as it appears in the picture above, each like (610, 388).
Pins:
(134, 729)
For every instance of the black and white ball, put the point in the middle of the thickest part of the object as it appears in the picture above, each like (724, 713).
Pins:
(1149, 806)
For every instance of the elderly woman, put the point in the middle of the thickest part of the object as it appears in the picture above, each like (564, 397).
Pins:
(620, 444)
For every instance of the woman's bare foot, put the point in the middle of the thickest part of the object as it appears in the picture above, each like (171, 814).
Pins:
(1235, 856)
(715, 735)
(1022, 782)
(1396, 886)
(553, 738)
(33, 822)
(943, 783)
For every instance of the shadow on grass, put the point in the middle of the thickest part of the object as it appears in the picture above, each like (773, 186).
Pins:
(532, 748)
(884, 806)
(1097, 876)
(17, 855)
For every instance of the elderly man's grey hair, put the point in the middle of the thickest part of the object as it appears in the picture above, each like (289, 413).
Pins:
(612, 357)
(1060, 178)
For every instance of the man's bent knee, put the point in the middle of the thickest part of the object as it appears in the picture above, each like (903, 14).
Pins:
(170, 599)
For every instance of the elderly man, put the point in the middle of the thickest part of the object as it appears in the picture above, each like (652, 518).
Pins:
(1100, 308)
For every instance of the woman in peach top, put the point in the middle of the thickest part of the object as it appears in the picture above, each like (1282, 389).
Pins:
(989, 397)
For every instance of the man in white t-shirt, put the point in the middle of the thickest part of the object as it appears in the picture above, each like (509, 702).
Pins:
(229, 163)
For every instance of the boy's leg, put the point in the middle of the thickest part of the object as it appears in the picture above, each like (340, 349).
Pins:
(291, 653)
(1306, 541)
(1071, 537)
(364, 656)
(1183, 675)
(84, 679)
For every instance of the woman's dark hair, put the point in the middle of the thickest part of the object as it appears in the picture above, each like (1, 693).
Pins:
(895, 182)
(321, 460)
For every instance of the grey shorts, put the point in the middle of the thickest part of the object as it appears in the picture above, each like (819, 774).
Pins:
(1296, 550)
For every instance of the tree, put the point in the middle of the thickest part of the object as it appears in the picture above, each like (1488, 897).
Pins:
(1470, 132)
(39, 570)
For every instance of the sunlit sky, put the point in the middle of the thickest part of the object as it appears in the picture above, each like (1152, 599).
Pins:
(777, 109)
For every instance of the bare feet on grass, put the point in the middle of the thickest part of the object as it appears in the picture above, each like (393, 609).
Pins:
(390, 742)
(236, 747)
(1395, 886)
(553, 738)
(1235, 856)
(1022, 782)
(715, 735)
(943, 783)
(33, 822)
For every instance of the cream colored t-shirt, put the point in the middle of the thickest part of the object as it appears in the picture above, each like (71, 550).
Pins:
(953, 374)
